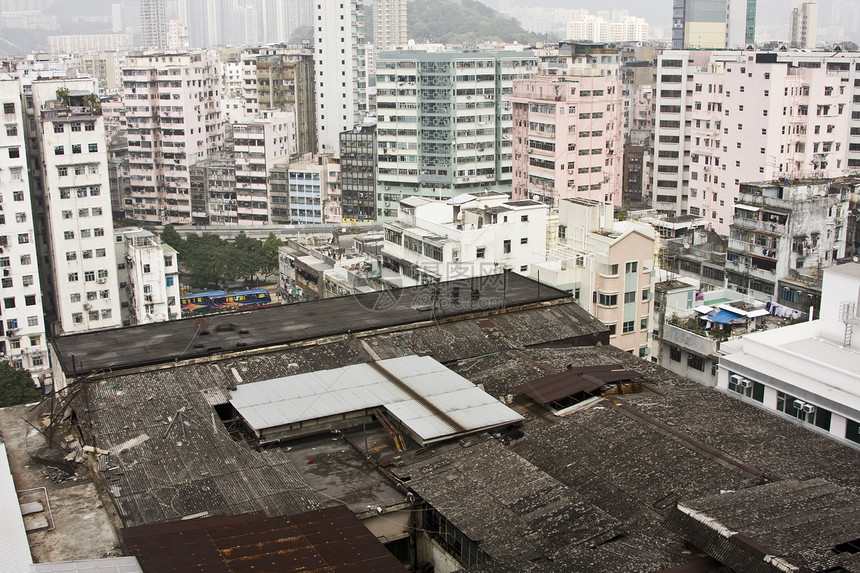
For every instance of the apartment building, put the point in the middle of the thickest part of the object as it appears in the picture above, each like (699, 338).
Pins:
(340, 70)
(213, 190)
(724, 118)
(358, 173)
(153, 24)
(389, 24)
(107, 67)
(469, 235)
(257, 144)
(782, 226)
(174, 120)
(149, 278)
(313, 186)
(69, 167)
(286, 82)
(444, 125)
(803, 28)
(22, 329)
(608, 267)
(567, 139)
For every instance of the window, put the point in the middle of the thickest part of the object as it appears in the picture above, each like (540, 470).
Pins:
(607, 299)
(23, 238)
(106, 313)
(646, 294)
(628, 326)
(480, 252)
(643, 323)
(98, 232)
(27, 280)
(20, 217)
(89, 276)
(73, 277)
(613, 269)
(75, 297)
(67, 215)
(77, 317)
(92, 295)
(630, 297)
(695, 361)
(104, 294)
(68, 235)
(524, 218)
(9, 108)
(524, 241)
(146, 268)
(612, 329)
(14, 152)
(631, 267)
(30, 300)
(93, 147)
(9, 302)
(76, 148)
(65, 193)
(25, 260)
(32, 321)
(83, 212)
(6, 282)
(100, 252)
(59, 150)
(59, 128)
(71, 255)
(11, 323)
(103, 274)
(524, 268)
(97, 211)
(87, 253)
(506, 246)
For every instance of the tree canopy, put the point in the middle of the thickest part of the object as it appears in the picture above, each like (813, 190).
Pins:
(463, 22)
(16, 386)
(210, 261)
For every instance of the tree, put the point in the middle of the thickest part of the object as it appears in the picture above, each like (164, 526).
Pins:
(249, 256)
(16, 386)
(63, 96)
(270, 255)
(170, 237)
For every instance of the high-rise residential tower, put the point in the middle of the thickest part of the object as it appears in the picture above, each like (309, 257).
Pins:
(713, 24)
(804, 26)
(153, 24)
(340, 69)
(173, 113)
(389, 24)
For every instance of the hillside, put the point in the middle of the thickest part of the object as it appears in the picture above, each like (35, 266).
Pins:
(463, 22)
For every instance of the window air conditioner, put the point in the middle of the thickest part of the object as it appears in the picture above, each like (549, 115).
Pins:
(799, 404)
(745, 383)
(808, 408)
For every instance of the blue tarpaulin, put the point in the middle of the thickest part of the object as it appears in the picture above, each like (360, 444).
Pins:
(723, 317)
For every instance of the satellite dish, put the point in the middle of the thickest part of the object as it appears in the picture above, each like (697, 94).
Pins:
(202, 325)
(686, 244)
(856, 259)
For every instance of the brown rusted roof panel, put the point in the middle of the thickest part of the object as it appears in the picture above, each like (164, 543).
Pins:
(322, 541)
(573, 381)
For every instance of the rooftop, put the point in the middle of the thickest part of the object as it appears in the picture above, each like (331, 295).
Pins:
(222, 334)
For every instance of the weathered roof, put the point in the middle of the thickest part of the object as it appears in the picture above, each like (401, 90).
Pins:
(572, 381)
(217, 334)
(798, 525)
(326, 540)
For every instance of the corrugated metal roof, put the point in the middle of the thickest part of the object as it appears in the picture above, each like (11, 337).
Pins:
(323, 541)
(428, 391)
(15, 549)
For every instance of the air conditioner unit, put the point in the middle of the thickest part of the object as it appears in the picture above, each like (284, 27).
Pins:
(745, 383)
(799, 404)
(101, 281)
(735, 379)
(87, 306)
(808, 408)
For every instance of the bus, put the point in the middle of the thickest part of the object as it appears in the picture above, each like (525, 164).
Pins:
(219, 300)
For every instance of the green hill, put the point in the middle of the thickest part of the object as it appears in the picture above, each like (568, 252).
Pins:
(463, 22)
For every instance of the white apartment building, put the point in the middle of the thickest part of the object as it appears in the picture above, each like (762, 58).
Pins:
(173, 113)
(389, 24)
(807, 372)
(77, 220)
(22, 342)
(149, 278)
(803, 29)
(310, 186)
(567, 138)
(257, 144)
(107, 67)
(607, 266)
(725, 118)
(467, 236)
(593, 28)
(340, 69)
(444, 123)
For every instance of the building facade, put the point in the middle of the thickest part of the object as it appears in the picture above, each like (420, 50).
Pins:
(286, 82)
(567, 139)
(467, 236)
(173, 113)
(358, 173)
(444, 125)
(23, 342)
(76, 224)
(804, 26)
(389, 24)
(149, 278)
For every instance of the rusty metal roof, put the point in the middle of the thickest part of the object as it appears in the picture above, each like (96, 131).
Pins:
(326, 540)
(573, 381)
